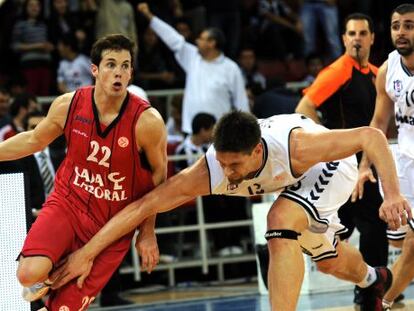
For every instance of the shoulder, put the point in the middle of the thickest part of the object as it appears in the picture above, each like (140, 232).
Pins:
(150, 122)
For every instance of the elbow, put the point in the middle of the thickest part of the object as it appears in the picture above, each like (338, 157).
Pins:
(371, 135)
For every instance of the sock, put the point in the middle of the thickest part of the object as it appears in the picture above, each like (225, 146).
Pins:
(369, 278)
(387, 304)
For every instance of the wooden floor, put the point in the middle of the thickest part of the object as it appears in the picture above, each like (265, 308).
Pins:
(237, 297)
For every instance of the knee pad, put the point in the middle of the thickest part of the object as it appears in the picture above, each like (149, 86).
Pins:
(281, 234)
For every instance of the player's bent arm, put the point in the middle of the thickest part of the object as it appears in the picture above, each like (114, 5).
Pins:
(181, 188)
(152, 140)
(307, 108)
(29, 142)
(307, 149)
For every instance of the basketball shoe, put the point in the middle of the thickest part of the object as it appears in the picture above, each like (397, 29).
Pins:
(372, 295)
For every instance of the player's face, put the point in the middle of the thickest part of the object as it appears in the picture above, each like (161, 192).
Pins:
(114, 72)
(357, 33)
(238, 166)
(402, 33)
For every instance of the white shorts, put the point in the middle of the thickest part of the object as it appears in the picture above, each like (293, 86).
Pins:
(321, 192)
(405, 172)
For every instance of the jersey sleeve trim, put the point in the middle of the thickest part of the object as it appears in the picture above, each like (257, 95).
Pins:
(209, 174)
(288, 151)
(70, 109)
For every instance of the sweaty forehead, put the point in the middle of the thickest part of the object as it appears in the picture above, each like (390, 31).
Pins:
(117, 55)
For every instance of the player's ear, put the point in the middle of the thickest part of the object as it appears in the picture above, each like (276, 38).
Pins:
(94, 70)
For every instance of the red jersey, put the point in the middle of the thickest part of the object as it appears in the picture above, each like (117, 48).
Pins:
(103, 170)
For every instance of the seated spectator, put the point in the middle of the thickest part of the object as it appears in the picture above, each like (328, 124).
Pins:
(174, 131)
(74, 68)
(30, 40)
(153, 70)
(248, 66)
(198, 142)
(21, 106)
(4, 107)
(314, 64)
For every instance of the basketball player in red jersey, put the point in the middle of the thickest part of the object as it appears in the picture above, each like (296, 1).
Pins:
(116, 153)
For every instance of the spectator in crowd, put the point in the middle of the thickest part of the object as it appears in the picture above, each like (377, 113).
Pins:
(198, 142)
(314, 64)
(115, 16)
(4, 107)
(174, 121)
(214, 83)
(62, 22)
(345, 92)
(153, 72)
(281, 34)
(248, 66)
(325, 13)
(225, 15)
(183, 27)
(194, 11)
(40, 168)
(74, 68)
(22, 105)
(30, 40)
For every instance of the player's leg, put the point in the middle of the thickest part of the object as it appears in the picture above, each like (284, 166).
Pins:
(73, 298)
(50, 237)
(403, 269)
(286, 266)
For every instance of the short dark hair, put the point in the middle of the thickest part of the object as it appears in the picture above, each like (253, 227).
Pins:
(359, 17)
(403, 9)
(116, 42)
(237, 131)
(70, 40)
(202, 121)
(21, 100)
(218, 36)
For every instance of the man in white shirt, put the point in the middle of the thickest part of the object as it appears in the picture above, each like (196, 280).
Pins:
(214, 83)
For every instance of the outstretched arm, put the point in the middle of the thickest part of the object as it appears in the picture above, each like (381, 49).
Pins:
(186, 185)
(307, 149)
(29, 142)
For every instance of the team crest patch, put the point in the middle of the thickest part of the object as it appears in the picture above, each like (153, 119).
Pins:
(123, 142)
(398, 86)
(64, 308)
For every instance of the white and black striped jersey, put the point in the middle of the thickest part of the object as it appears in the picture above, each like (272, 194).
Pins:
(275, 173)
(399, 85)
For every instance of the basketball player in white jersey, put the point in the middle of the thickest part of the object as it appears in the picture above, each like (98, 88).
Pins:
(395, 96)
(298, 160)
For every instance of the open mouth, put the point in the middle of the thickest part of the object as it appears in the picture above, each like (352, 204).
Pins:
(117, 85)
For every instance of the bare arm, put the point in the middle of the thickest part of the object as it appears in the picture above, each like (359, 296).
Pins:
(307, 108)
(29, 142)
(384, 110)
(183, 187)
(307, 149)
(152, 140)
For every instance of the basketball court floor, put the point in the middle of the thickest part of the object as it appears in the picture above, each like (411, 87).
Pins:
(245, 300)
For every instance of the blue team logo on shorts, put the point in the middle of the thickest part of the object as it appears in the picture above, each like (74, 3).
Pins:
(398, 86)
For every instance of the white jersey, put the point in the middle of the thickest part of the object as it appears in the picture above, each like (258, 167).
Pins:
(276, 173)
(399, 85)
